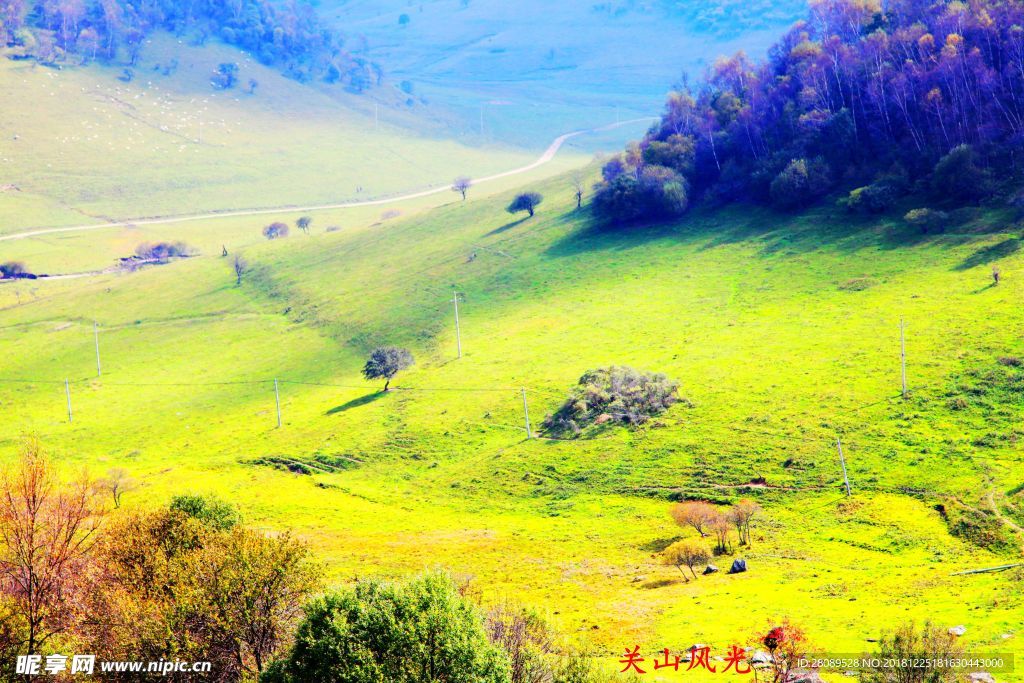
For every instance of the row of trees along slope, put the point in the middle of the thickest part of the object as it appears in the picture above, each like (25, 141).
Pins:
(289, 36)
(882, 98)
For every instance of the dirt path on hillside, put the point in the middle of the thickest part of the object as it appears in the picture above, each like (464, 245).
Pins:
(544, 158)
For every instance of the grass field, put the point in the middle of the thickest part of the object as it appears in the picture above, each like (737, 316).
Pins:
(171, 145)
(784, 334)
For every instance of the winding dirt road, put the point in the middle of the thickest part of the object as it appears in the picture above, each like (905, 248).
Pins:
(544, 158)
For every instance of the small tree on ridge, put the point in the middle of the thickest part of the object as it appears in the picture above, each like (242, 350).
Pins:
(525, 201)
(385, 362)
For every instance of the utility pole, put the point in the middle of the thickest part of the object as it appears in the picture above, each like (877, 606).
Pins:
(277, 401)
(526, 413)
(842, 461)
(96, 337)
(458, 332)
(903, 356)
(67, 392)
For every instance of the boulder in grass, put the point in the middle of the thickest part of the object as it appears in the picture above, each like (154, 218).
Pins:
(980, 677)
(958, 630)
(710, 569)
(738, 566)
(688, 654)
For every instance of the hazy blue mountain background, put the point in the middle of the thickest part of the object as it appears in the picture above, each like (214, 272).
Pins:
(536, 68)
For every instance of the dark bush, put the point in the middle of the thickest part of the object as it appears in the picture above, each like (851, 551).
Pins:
(677, 153)
(613, 394)
(800, 184)
(958, 177)
(928, 220)
(275, 230)
(653, 192)
(980, 528)
(879, 196)
(13, 269)
(161, 251)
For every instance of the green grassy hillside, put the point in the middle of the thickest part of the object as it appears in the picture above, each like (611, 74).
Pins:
(92, 148)
(783, 332)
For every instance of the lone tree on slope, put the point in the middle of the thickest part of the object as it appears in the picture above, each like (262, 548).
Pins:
(462, 185)
(577, 190)
(241, 266)
(525, 201)
(686, 553)
(694, 513)
(385, 362)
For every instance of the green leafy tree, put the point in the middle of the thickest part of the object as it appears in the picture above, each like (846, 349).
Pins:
(423, 631)
(928, 220)
(525, 201)
(250, 590)
(385, 362)
(632, 194)
(801, 183)
(210, 510)
(957, 176)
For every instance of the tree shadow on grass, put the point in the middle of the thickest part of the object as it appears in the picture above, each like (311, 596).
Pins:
(595, 236)
(356, 403)
(992, 252)
(661, 583)
(779, 234)
(658, 544)
(507, 226)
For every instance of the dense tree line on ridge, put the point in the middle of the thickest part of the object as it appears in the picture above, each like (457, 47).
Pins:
(881, 98)
(288, 36)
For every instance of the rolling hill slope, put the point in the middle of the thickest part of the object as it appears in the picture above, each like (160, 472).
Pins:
(784, 334)
(90, 147)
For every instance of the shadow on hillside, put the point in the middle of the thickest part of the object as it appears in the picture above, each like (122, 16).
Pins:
(356, 403)
(507, 226)
(658, 544)
(992, 252)
(662, 583)
(773, 233)
(597, 236)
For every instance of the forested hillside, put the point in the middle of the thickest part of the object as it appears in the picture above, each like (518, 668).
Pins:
(289, 36)
(910, 97)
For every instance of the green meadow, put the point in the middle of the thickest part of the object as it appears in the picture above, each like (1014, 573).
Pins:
(783, 331)
(168, 145)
